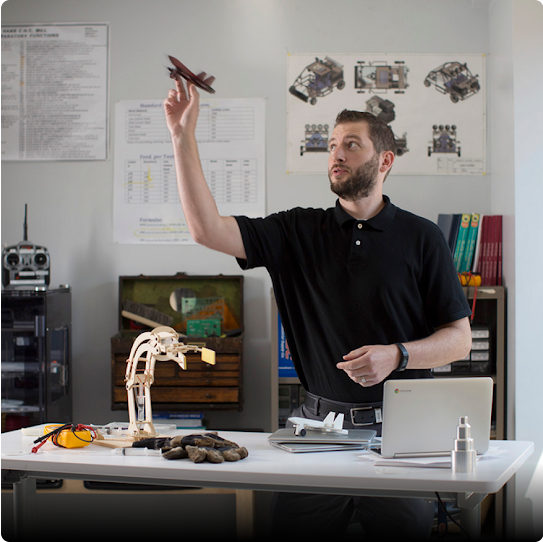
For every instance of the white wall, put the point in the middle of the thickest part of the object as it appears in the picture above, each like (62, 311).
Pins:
(528, 133)
(515, 115)
(244, 44)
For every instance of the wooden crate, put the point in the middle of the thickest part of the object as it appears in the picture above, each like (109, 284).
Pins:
(200, 386)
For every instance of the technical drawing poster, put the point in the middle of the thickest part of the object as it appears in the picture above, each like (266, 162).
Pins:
(231, 142)
(434, 104)
(54, 92)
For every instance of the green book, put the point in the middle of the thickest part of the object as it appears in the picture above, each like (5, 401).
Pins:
(461, 240)
(470, 243)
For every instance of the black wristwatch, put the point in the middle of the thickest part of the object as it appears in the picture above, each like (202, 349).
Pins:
(405, 357)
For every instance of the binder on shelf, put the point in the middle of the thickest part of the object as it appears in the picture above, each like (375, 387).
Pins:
(457, 218)
(494, 251)
(461, 240)
(449, 224)
(483, 259)
(476, 244)
(471, 240)
(445, 223)
(493, 275)
(475, 263)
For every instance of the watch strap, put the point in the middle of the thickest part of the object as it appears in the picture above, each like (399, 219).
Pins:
(405, 357)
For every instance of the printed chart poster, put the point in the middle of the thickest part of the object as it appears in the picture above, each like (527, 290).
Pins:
(434, 104)
(54, 92)
(231, 142)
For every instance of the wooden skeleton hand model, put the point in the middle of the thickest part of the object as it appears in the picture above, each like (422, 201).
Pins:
(162, 344)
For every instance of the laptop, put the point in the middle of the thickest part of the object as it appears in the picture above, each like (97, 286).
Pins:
(317, 441)
(420, 416)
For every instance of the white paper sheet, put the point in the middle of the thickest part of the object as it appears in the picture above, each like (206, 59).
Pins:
(436, 462)
(54, 92)
(231, 142)
(408, 91)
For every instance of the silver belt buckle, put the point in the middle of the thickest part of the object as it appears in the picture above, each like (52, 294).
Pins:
(377, 415)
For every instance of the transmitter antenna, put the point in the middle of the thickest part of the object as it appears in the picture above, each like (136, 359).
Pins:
(25, 227)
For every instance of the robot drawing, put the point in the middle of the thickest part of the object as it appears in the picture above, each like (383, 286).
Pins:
(384, 109)
(444, 140)
(455, 79)
(318, 80)
(316, 139)
(380, 77)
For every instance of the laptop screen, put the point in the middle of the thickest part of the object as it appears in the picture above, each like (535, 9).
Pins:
(420, 416)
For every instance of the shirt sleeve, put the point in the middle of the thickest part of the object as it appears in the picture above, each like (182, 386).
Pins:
(263, 240)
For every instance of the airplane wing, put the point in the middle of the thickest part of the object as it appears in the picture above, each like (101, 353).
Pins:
(201, 80)
(305, 422)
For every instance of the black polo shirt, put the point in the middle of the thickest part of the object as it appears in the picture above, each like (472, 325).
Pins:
(342, 283)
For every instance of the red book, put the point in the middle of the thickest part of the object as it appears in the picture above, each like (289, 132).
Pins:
(482, 266)
(494, 250)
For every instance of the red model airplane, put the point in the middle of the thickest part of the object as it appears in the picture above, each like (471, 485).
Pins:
(202, 80)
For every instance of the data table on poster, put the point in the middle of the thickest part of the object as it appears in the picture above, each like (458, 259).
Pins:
(225, 124)
(147, 124)
(230, 137)
(154, 180)
(231, 180)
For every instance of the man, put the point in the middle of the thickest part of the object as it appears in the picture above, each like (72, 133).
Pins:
(366, 291)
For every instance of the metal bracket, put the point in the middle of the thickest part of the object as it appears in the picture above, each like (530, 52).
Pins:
(12, 476)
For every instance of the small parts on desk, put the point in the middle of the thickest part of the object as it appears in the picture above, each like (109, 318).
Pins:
(69, 435)
(197, 447)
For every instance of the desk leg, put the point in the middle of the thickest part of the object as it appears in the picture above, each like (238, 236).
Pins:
(24, 508)
(245, 512)
(471, 521)
(470, 513)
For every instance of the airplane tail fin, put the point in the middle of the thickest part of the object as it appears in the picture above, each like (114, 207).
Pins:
(338, 422)
(207, 79)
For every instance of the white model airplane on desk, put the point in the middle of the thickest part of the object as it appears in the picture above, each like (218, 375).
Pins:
(328, 425)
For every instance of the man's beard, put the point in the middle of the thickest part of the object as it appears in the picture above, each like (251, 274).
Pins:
(361, 182)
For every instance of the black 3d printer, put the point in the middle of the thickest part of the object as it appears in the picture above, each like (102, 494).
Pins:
(36, 336)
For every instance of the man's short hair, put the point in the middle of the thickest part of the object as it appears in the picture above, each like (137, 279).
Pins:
(380, 132)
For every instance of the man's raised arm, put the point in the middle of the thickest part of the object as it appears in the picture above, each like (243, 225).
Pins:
(206, 225)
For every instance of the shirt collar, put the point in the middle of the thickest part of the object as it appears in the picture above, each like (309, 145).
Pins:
(379, 222)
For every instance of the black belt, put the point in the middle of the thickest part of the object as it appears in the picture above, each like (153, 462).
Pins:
(358, 413)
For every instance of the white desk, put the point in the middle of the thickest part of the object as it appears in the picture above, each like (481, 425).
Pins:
(266, 469)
